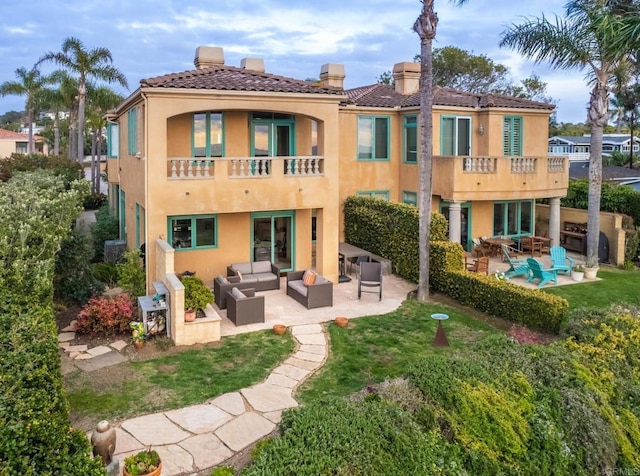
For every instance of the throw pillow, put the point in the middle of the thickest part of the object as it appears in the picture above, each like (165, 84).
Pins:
(236, 293)
(239, 275)
(308, 278)
(222, 280)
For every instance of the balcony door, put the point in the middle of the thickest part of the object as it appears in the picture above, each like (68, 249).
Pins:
(455, 136)
(273, 238)
(272, 135)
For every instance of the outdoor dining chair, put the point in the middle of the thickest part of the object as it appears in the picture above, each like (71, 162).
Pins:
(370, 276)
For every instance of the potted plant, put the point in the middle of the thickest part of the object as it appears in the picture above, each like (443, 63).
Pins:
(137, 333)
(145, 462)
(577, 273)
(196, 296)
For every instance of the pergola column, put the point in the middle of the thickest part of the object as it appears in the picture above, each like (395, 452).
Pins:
(554, 220)
(454, 221)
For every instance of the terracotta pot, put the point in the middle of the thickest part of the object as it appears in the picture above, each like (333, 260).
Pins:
(138, 344)
(279, 329)
(155, 472)
(341, 321)
(189, 315)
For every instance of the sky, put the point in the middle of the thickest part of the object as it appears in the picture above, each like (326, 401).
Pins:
(149, 38)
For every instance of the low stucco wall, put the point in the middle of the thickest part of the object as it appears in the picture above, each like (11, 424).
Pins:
(610, 225)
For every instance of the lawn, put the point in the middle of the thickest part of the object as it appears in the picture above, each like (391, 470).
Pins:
(616, 286)
(176, 380)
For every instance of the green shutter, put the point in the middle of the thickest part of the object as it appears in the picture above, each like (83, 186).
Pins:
(447, 144)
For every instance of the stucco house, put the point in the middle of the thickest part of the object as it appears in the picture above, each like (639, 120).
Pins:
(232, 163)
(17, 143)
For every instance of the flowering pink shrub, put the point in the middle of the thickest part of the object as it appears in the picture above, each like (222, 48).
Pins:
(524, 335)
(106, 315)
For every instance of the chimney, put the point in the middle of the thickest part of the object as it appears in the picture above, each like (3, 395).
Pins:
(332, 75)
(207, 56)
(407, 77)
(253, 64)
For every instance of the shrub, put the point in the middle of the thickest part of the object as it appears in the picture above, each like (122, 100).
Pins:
(196, 294)
(131, 275)
(69, 170)
(106, 273)
(106, 315)
(105, 228)
(94, 201)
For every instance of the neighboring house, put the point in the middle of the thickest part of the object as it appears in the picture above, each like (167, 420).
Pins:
(231, 164)
(17, 143)
(613, 174)
(577, 148)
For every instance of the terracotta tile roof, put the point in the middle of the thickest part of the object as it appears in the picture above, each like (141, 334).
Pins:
(5, 134)
(382, 95)
(230, 78)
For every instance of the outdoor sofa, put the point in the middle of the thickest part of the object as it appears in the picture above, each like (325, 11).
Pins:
(318, 293)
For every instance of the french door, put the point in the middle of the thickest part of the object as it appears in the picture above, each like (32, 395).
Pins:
(273, 238)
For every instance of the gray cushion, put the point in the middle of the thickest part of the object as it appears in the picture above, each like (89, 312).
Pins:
(222, 280)
(262, 277)
(321, 279)
(236, 293)
(249, 278)
(298, 286)
(261, 267)
(244, 268)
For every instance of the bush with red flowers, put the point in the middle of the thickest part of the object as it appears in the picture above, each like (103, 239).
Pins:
(106, 315)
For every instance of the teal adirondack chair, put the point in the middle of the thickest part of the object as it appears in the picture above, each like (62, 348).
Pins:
(538, 272)
(517, 266)
(560, 260)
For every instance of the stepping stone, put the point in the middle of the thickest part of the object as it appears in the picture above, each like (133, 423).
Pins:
(74, 355)
(175, 459)
(118, 345)
(63, 345)
(72, 327)
(244, 430)
(306, 329)
(302, 364)
(154, 429)
(66, 336)
(314, 349)
(199, 418)
(269, 398)
(275, 417)
(207, 450)
(281, 380)
(230, 403)
(101, 361)
(99, 350)
(125, 443)
(311, 339)
(291, 372)
(76, 348)
(81, 356)
(308, 356)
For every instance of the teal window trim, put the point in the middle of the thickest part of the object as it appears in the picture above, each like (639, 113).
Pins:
(272, 125)
(208, 150)
(273, 215)
(112, 140)
(518, 232)
(410, 198)
(512, 135)
(455, 134)
(374, 136)
(193, 229)
(409, 123)
(137, 225)
(132, 140)
(382, 194)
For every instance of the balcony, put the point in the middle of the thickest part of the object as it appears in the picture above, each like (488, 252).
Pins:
(499, 178)
(195, 168)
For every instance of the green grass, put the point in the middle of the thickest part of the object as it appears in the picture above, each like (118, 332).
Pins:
(175, 380)
(373, 348)
(616, 286)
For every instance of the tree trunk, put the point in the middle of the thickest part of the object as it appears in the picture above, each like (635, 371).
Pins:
(56, 134)
(82, 96)
(632, 122)
(93, 161)
(598, 107)
(30, 140)
(425, 27)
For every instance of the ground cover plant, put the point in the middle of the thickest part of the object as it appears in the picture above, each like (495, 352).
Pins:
(175, 380)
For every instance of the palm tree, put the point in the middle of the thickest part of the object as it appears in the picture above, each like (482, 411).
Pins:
(581, 40)
(29, 84)
(86, 64)
(425, 27)
(100, 101)
(59, 99)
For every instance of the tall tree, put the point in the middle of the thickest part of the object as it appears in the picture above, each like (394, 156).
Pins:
(58, 99)
(86, 63)
(29, 84)
(425, 26)
(581, 40)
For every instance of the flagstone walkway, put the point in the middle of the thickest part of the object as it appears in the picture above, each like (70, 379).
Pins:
(198, 437)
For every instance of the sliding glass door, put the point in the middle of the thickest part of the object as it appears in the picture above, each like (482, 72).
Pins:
(273, 236)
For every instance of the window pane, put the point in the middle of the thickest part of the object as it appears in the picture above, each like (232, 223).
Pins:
(200, 135)
(382, 130)
(512, 218)
(365, 138)
(216, 134)
(498, 218)
(410, 140)
(525, 217)
(181, 232)
(464, 128)
(205, 232)
(447, 145)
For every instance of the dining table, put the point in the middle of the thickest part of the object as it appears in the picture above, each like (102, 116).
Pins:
(495, 244)
(348, 251)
